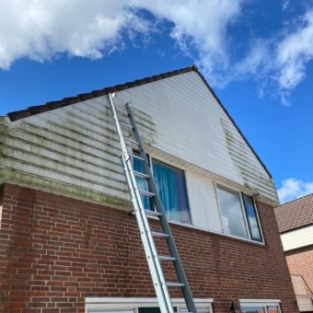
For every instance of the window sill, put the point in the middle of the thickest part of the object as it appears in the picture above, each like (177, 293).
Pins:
(262, 244)
(214, 232)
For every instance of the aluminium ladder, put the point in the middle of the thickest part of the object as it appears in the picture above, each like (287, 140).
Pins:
(141, 214)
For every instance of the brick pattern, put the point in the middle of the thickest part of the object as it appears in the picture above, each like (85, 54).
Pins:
(300, 262)
(55, 251)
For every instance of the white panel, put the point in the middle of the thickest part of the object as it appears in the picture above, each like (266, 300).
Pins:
(305, 304)
(190, 125)
(297, 238)
(202, 199)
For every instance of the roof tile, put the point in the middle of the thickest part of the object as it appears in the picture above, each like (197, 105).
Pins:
(295, 214)
(300, 286)
(38, 109)
(56, 104)
(17, 115)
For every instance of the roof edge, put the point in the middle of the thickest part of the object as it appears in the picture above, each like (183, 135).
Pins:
(49, 106)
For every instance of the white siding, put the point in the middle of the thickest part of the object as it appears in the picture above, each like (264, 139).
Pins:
(181, 117)
(305, 304)
(74, 150)
(297, 238)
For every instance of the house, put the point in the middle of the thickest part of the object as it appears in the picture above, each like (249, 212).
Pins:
(295, 223)
(68, 240)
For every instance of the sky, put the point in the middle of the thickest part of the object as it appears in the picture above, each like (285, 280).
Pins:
(257, 55)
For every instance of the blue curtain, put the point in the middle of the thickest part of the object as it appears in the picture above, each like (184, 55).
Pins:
(142, 184)
(171, 186)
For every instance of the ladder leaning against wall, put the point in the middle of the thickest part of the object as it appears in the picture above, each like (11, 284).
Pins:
(153, 258)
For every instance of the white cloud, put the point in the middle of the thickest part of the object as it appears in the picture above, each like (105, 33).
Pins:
(292, 189)
(40, 30)
(294, 51)
(285, 4)
(280, 61)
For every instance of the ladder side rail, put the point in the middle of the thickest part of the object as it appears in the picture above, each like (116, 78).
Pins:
(165, 225)
(152, 255)
(143, 225)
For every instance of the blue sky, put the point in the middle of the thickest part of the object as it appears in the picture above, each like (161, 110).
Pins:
(256, 54)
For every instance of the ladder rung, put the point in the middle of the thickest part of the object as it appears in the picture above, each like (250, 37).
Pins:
(170, 284)
(153, 213)
(166, 258)
(139, 174)
(157, 234)
(134, 156)
(126, 125)
(147, 193)
(131, 140)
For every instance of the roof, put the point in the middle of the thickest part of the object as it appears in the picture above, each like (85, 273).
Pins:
(295, 214)
(300, 285)
(34, 110)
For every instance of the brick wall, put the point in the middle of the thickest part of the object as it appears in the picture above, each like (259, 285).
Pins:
(300, 262)
(55, 251)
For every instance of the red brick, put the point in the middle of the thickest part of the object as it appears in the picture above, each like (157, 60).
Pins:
(60, 250)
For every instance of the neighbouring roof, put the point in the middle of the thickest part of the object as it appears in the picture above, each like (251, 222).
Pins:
(300, 286)
(33, 110)
(295, 214)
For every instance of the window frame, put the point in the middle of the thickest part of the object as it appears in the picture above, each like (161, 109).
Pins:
(265, 303)
(244, 213)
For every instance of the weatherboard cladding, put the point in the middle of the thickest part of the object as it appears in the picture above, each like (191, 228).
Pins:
(72, 147)
(14, 116)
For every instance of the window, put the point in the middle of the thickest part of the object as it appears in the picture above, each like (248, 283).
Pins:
(260, 306)
(171, 186)
(261, 309)
(239, 216)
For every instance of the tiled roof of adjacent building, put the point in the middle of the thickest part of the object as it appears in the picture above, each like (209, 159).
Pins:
(300, 286)
(295, 214)
(17, 115)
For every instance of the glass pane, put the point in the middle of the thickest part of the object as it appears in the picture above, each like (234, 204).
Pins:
(253, 309)
(232, 215)
(141, 182)
(172, 190)
(149, 310)
(252, 218)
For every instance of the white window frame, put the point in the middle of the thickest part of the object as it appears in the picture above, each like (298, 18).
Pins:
(216, 186)
(127, 305)
(260, 302)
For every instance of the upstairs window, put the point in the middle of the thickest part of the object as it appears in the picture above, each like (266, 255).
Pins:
(171, 186)
(239, 216)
